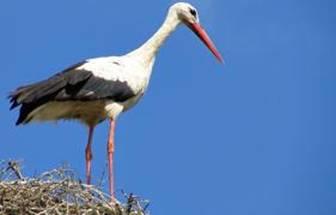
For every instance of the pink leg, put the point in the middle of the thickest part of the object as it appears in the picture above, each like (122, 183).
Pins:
(110, 152)
(88, 155)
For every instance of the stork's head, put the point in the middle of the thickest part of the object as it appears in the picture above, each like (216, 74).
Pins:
(188, 15)
(186, 12)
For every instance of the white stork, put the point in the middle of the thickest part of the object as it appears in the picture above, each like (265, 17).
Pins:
(101, 88)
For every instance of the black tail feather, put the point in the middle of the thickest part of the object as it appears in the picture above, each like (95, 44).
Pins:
(31, 98)
(25, 110)
(34, 95)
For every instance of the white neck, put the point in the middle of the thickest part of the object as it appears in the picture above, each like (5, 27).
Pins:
(149, 49)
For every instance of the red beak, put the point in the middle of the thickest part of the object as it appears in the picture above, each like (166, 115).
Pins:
(201, 33)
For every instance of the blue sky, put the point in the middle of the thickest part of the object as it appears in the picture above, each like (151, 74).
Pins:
(253, 136)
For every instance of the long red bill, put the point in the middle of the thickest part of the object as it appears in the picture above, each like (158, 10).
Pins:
(201, 33)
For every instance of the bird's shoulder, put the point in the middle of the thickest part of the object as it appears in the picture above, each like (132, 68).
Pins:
(95, 79)
(114, 68)
(108, 68)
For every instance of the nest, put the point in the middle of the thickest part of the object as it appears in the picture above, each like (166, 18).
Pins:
(58, 192)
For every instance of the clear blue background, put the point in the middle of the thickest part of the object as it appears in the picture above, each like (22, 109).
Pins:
(253, 136)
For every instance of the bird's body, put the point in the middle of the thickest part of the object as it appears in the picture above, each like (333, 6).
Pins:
(90, 91)
(101, 88)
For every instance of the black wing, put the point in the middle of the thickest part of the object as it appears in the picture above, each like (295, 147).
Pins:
(69, 85)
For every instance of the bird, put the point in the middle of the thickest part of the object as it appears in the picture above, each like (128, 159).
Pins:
(101, 88)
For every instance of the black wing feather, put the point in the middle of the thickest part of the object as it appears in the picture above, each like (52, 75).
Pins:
(94, 88)
(33, 92)
(69, 85)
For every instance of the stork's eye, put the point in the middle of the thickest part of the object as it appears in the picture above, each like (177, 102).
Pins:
(193, 12)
